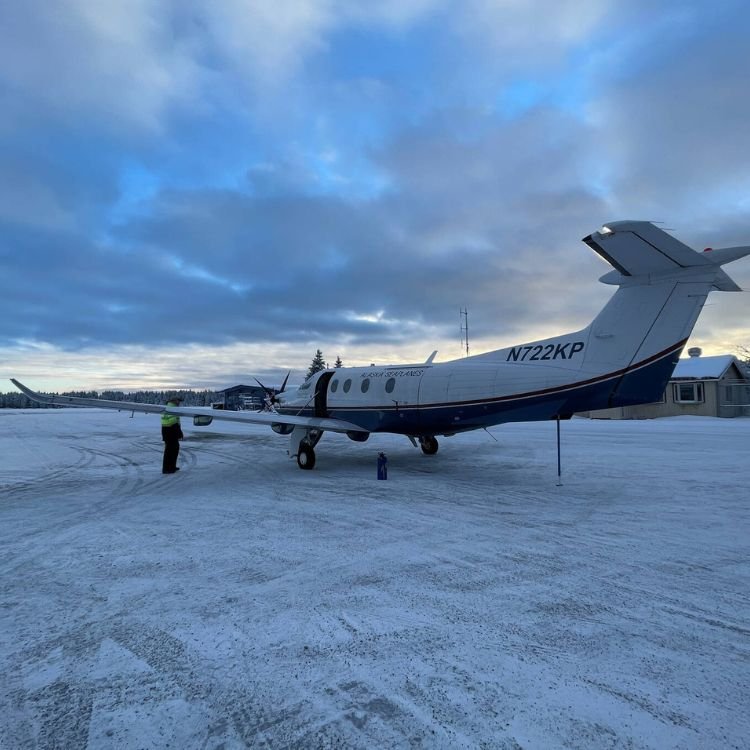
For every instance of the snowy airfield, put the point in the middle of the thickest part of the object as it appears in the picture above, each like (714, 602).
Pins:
(466, 602)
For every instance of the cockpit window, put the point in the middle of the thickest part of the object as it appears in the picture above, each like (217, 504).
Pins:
(365, 385)
(304, 386)
(347, 385)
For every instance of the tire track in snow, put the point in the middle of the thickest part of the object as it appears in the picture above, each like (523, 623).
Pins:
(42, 481)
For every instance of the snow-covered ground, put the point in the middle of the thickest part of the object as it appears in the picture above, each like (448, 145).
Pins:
(466, 602)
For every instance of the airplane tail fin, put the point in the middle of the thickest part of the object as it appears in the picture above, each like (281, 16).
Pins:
(663, 285)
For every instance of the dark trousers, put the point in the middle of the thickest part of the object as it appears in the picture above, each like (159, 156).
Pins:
(171, 451)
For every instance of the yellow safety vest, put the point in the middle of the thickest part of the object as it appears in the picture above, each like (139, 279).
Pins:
(169, 420)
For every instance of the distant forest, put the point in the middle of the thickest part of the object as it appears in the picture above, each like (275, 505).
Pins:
(15, 400)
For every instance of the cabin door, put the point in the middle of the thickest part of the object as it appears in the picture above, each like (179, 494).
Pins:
(321, 394)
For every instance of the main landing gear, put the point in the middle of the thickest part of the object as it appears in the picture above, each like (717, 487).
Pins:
(429, 445)
(302, 444)
(305, 456)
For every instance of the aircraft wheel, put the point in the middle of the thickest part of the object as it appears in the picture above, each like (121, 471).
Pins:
(305, 457)
(429, 445)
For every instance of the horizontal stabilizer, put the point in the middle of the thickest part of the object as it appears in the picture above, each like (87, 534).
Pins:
(637, 248)
(723, 255)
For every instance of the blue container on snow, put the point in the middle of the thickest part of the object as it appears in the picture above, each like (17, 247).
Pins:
(382, 466)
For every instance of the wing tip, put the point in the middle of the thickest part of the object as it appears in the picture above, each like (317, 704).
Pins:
(33, 395)
(20, 385)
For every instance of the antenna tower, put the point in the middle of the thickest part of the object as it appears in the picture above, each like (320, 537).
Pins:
(464, 317)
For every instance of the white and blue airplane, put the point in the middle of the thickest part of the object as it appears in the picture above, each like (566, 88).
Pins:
(625, 356)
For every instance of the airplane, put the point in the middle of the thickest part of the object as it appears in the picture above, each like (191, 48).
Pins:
(625, 356)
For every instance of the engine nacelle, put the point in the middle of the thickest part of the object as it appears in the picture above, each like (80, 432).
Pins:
(358, 437)
(282, 429)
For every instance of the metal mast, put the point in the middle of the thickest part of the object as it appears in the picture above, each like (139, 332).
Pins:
(464, 317)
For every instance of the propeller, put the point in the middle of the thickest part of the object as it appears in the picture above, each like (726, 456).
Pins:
(272, 393)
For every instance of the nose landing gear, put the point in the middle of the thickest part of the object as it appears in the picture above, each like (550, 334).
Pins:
(429, 445)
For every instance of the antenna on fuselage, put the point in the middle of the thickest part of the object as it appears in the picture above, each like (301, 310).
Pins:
(464, 318)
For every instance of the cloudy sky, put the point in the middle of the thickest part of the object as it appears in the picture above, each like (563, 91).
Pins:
(194, 193)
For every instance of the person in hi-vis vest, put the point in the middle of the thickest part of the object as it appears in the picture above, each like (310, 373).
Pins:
(171, 434)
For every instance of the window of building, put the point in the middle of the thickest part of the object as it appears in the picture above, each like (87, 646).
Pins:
(390, 384)
(334, 386)
(347, 385)
(737, 394)
(365, 385)
(687, 393)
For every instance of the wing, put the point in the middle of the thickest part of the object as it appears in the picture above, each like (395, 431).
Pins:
(251, 417)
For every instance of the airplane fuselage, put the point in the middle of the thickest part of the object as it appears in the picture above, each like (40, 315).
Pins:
(514, 384)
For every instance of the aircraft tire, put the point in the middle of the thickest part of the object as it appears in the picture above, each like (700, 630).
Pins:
(429, 445)
(305, 457)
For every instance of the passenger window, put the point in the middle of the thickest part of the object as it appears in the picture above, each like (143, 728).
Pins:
(347, 385)
(334, 386)
(390, 385)
(365, 385)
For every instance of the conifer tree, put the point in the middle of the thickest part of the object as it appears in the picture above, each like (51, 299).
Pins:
(338, 362)
(317, 364)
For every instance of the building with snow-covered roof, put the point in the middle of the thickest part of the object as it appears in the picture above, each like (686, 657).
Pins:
(717, 386)
(240, 397)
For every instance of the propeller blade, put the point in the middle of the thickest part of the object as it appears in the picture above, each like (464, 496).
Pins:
(272, 393)
(269, 391)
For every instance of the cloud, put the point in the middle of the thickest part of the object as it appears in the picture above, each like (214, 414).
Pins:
(536, 33)
(243, 174)
(114, 65)
(467, 220)
(675, 132)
